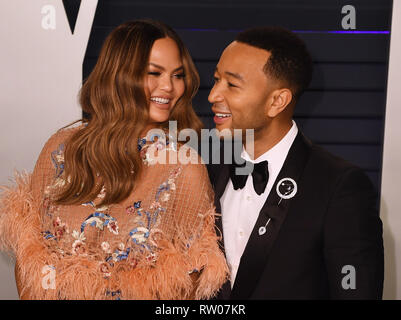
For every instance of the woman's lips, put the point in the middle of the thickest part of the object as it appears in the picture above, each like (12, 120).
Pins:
(161, 102)
(163, 106)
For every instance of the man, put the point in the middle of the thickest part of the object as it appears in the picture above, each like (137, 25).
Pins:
(304, 225)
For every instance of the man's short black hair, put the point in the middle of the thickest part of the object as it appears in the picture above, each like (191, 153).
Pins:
(290, 60)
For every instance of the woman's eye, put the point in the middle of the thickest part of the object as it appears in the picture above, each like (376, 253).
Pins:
(232, 85)
(215, 79)
(180, 75)
(154, 73)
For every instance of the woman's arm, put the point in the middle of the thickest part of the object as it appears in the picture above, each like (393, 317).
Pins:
(195, 214)
(22, 292)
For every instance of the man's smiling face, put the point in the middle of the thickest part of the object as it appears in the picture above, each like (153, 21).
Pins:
(241, 90)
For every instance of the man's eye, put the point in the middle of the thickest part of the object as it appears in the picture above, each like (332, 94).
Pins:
(232, 85)
(154, 73)
(215, 79)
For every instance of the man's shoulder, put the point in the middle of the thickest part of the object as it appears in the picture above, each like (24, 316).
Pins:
(331, 166)
(328, 160)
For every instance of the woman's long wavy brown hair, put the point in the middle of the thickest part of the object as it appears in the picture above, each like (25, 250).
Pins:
(105, 151)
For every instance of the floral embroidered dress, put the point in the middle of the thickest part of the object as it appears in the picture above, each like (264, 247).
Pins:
(145, 247)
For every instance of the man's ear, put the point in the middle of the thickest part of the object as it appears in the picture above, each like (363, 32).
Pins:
(279, 99)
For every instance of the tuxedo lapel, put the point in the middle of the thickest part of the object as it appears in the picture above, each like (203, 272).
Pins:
(220, 174)
(257, 250)
(220, 186)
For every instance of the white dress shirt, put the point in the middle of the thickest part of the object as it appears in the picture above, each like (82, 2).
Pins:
(240, 208)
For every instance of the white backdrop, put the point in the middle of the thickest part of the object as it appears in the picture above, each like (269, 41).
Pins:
(390, 210)
(41, 73)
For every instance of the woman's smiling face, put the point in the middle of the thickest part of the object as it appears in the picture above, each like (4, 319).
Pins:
(164, 82)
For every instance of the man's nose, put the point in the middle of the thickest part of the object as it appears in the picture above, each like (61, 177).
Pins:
(215, 95)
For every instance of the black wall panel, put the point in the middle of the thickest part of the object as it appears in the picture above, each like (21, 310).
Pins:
(343, 110)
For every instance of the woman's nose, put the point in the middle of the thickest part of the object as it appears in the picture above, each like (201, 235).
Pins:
(166, 84)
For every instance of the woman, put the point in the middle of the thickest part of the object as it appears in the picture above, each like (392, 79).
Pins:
(97, 219)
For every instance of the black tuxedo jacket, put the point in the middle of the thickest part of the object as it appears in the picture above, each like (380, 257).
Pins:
(330, 224)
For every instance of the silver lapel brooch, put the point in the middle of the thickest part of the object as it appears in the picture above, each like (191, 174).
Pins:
(286, 189)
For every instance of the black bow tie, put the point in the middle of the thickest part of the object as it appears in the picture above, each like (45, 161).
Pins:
(260, 175)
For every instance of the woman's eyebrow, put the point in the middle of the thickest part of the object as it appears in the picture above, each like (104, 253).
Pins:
(162, 68)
